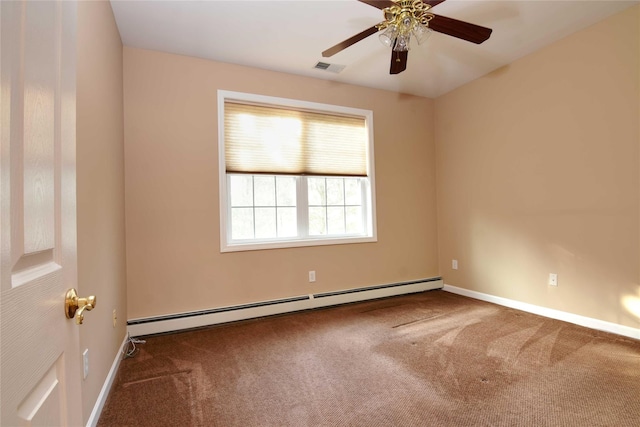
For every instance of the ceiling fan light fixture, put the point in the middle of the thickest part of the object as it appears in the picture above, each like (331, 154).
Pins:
(403, 19)
(388, 36)
(406, 21)
(421, 33)
(402, 43)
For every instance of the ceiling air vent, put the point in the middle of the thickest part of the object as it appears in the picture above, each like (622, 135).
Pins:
(334, 68)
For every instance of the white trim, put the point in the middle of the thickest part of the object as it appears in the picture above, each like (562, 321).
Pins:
(588, 322)
(255, 246)
(311, 301)
(288, 102)
(222, 175)
(371, 232)
(106, 387)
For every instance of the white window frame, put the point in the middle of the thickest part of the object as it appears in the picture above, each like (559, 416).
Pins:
(227, 245)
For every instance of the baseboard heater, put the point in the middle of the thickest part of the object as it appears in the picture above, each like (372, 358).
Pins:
(200, 318)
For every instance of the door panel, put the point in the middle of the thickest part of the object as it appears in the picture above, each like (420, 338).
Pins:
(39, 87)
(40, 360)
(44, 403)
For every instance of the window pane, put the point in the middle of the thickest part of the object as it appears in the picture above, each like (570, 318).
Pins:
(316, 191)
(354, 220)
(336, 207)
(265, 223)
(317, 221)
(335, 191)
(241, 188)
(265, 190)
(335, 220)
(287, 222)
(242, 223)
(286, 191)
(353, 192)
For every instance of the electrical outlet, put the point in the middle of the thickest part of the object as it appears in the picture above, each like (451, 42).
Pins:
(553, 279)
(115, 318)
(454, 264)
(312, 276)
(85, 363)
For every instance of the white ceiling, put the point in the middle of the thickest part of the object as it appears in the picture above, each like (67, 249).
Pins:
(289, 36)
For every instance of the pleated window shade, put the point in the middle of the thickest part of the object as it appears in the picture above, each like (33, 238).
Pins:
(277, 140)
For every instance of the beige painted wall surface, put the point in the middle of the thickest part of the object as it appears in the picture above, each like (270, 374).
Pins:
(100, 191)
(538, 173)
(174, 262)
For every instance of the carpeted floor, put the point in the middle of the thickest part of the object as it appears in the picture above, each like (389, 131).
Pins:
(428, 359)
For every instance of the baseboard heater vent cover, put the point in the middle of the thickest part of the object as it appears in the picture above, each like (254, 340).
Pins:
(216, 310)
(201, 318)
(371, 288)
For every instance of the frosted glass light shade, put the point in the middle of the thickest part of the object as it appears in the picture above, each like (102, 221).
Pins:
(402, 43)
(421, 33)
(388, 36)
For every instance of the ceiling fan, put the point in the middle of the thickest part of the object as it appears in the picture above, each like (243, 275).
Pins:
(406, 18)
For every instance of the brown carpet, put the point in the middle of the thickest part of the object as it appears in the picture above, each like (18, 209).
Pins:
(428, 359)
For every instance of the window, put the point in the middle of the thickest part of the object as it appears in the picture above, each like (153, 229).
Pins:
(293, 173)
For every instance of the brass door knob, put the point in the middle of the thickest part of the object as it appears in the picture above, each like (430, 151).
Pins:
(75, 307)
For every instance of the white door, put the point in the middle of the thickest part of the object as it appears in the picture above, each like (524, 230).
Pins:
(40, 364)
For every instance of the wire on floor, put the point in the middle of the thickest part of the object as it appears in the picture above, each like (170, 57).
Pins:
(130, 349)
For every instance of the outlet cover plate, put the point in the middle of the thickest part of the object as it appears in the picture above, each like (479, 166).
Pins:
(85, 363)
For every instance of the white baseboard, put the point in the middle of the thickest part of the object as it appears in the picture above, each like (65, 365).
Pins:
(148, 326)
(588, 322)
(106, 387)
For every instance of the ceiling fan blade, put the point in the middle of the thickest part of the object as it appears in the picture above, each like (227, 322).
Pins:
(380, 4)
(348, 42)
(398, 61)
(432, 3)
(460, 29)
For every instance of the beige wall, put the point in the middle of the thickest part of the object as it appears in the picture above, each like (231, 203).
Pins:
(537, 166)
(174, 262)
(100, 191)
(538, 172)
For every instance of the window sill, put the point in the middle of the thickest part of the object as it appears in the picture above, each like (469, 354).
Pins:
(239, 247)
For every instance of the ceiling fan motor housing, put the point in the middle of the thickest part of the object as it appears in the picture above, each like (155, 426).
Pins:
(405, 12)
